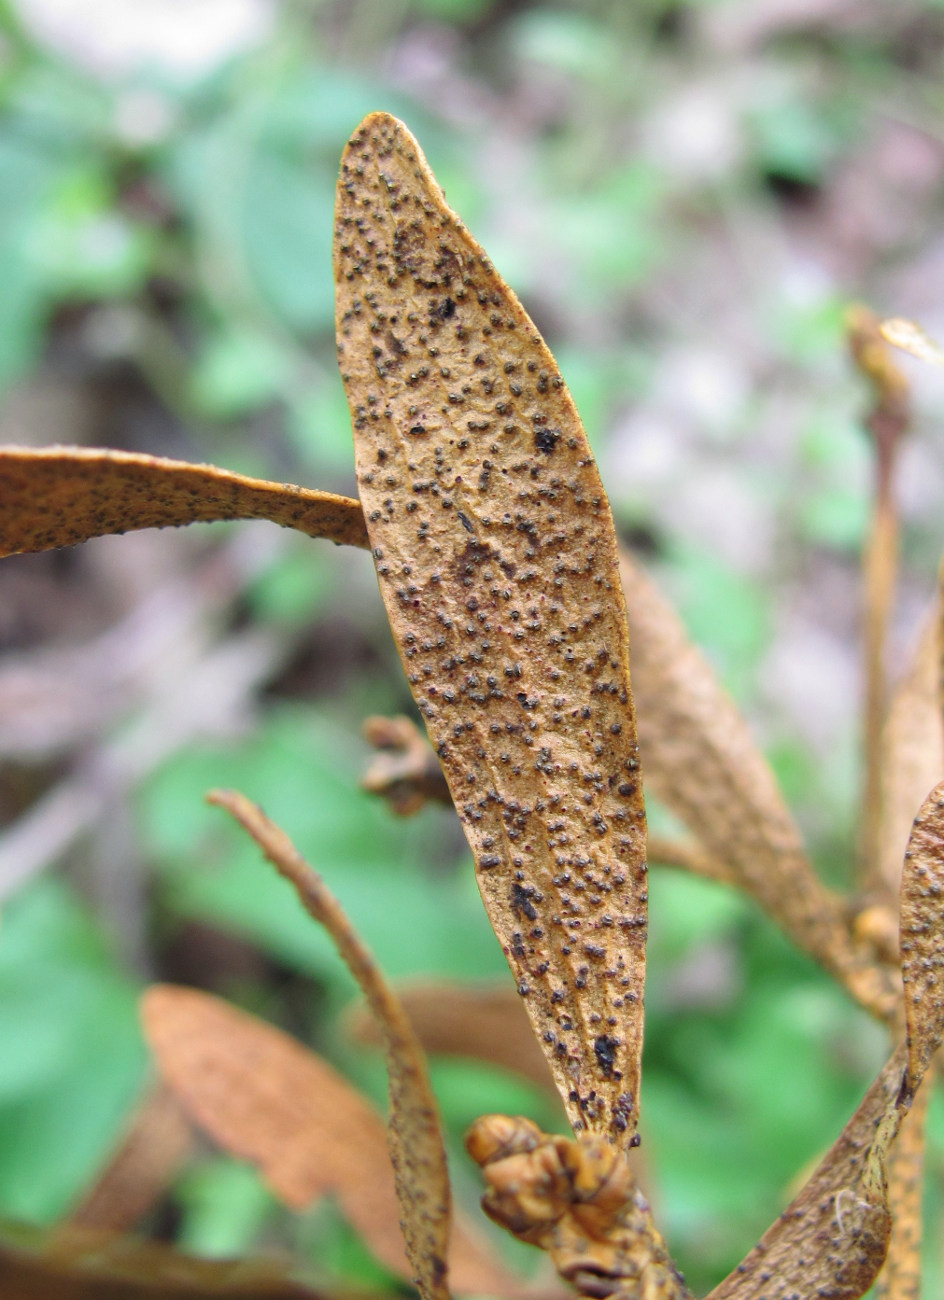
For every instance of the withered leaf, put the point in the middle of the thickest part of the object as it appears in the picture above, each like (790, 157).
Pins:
(832, 1238)
(58, 496)
(578, 1200)
(265, 1097)
(922, 935)
(910, 337)
(702, 762)
(900, 1278)
(484, 1022)
(496, 555)
(69, 1263)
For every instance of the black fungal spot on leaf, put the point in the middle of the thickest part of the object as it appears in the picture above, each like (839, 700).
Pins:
(546, 439)
(604, 1049)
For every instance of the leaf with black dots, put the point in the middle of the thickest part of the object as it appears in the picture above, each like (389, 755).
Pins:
(496, 554)
(59, 496)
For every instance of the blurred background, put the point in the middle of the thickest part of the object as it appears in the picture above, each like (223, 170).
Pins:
(686, 196)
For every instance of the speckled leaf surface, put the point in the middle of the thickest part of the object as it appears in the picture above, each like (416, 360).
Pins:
(496, 554)
(900, 1278)
(58, 496)
(922, 935)
(702, 762)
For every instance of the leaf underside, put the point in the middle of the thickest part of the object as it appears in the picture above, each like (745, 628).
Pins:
(58, 496)
(496, 554)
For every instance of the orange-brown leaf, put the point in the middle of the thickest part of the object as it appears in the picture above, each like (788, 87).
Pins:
(484, 1022)
(496, 554)
(702, 762)
(265, 1097)
(57, 496)
(922, 935)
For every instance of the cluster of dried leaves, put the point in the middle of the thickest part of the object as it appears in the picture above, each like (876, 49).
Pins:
(514, 614)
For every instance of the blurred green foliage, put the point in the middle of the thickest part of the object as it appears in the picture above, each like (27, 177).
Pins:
(178, 229)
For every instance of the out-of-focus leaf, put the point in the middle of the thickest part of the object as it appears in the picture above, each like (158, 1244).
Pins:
(913, 748)
(265, 1097)
(156, 1144)
(57, 496)
(76, 1264)
(486, 1023)
(701, 761)
(578, 1201)
(900, 1278)
(496, 554)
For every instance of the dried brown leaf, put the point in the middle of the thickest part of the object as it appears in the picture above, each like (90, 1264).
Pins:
(266, 1098)
(578, 1200)
(58, 496)
(496, 555)
(485, 1022)
(922, 935)
(832, 1238)
(900, 1278)
(157, 1144)
(70, 1263)
(702, 763)
(405, 771)
(913, 745)
(414, 1133)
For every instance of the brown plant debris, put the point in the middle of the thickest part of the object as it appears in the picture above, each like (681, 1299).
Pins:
(69, 1263)
(900, 1278)
(414, 1134)
(405, 771)
(910, 337)
(156, 1145)
(264, 1097)
(577, 1200)
(485, 1022)
(496, 555)
(703, 764)
(58, 496)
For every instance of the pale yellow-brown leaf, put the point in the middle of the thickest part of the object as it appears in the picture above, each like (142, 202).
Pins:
(496, 554)
(910, 337)
(414, 1133)
(702, 763)
(58, 496)
(264, 1097)
(484, 1022)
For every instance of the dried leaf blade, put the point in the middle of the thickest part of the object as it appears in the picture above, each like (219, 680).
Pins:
(922, 935)
(497, 561)
(59, 496)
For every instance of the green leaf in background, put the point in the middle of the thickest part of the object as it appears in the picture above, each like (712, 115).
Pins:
(224, 1207)
(72, 1059)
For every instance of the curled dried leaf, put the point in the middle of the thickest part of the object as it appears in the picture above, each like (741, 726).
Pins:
(922, 935)
(415, 1137)
(264, 1097)
(405, 771)
(577, 1200)
(496, 555)
(702, 762)
(58, 496)
(485, 1022)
